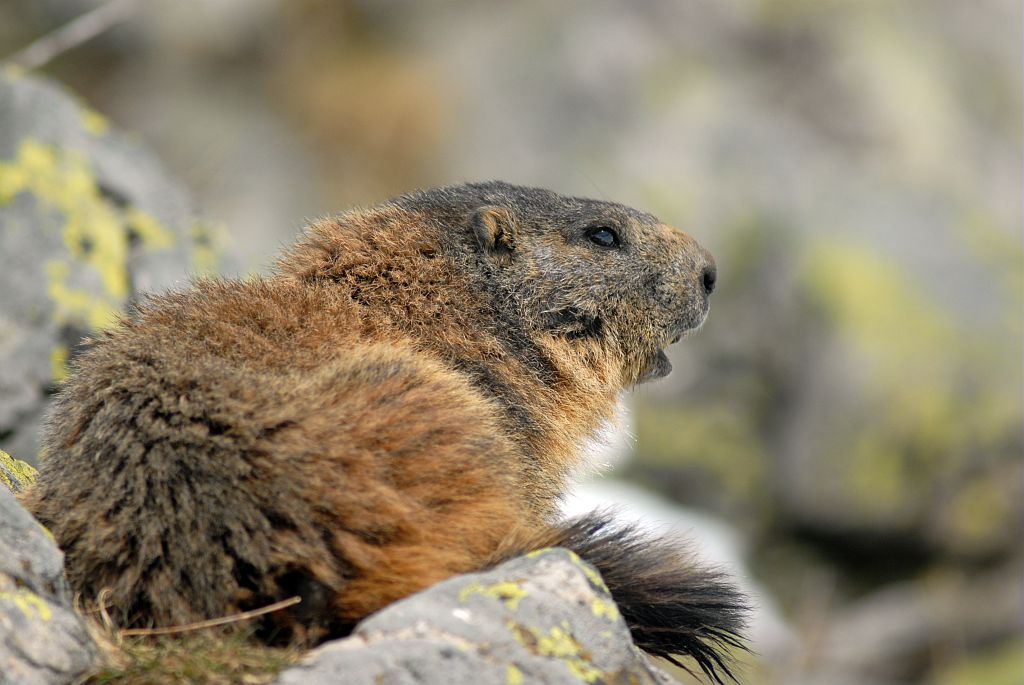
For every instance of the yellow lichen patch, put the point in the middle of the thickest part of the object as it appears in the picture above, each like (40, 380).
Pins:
(592, 575)
(509, 593)
(76, 306)
(150, 231)
(573, 557)
(94, 122)
(558, 643)
(47, 533)
(207, 243)
(604, 608)
(95, 231)
(22, 473)
(28, 602)
(513, 676)
(59, 363)
(584, 671)
(13, 180)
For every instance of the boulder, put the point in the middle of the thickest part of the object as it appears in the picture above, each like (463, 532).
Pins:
(88, 220)
(42, 640)
(546, 618)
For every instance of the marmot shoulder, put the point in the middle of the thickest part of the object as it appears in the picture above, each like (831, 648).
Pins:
(402, 400)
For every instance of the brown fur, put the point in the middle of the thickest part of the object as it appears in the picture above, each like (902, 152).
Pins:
(401, 402)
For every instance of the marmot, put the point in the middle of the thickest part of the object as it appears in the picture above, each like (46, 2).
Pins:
(402, 400)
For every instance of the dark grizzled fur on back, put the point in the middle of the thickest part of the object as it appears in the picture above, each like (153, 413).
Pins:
(454, 203)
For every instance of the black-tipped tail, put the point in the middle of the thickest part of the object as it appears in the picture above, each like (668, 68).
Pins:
(672, 606)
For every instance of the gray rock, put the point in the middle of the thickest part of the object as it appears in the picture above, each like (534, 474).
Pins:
(42, 639)
(545, 618)
(88, 220)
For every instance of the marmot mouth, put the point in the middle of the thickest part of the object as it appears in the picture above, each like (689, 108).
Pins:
(677, 335)
(681, 330)
(657, 367)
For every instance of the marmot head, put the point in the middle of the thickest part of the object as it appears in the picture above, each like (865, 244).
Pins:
(592, 272)
(583, 278)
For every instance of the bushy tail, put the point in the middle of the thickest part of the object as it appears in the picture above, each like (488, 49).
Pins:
(672, 606)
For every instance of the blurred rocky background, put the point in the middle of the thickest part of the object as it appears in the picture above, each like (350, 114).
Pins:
(850, 416)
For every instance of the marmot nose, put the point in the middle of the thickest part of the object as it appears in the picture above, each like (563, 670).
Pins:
(708, 277)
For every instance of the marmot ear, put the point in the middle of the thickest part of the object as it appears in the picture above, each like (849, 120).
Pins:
(495, 230)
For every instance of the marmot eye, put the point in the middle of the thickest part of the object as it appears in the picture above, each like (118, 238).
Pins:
(603, 236)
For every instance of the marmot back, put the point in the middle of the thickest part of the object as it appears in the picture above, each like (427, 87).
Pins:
(402, 401)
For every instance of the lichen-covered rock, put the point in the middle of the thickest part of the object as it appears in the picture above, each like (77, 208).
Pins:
(42, 640)
(545, 618)
(88, 219)
(14, 473)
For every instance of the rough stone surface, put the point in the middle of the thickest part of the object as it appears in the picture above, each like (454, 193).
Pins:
(15, 474)
(544, 618)
(42, 640)
(88, 219)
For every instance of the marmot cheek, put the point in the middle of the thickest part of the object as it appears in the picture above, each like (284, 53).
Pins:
(689, 311)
